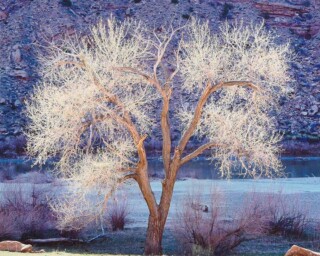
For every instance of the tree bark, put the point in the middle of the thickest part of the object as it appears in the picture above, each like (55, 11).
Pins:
(156, 224)
(153, 245)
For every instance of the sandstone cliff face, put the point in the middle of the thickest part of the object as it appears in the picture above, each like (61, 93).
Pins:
(26, 24)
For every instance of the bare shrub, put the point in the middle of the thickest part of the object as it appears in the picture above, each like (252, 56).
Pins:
(7, 226)
(212, 232)
(24, 214)
(286, 217)
(118, 213)
(76, 216)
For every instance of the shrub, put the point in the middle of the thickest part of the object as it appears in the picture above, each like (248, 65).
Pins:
(209, 232)
(24, 214)
(118, 214)
(287, 219)
(7, 226)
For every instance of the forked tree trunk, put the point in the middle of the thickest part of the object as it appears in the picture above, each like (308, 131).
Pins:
(153, 245)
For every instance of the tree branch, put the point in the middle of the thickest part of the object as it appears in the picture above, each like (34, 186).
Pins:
(166, 140)
(240, 83)
(127, 177)
(75, 63)
(198, 111)
(197, 152)
(133, 71)
(173, 74)
(161, 50)
(196, 117)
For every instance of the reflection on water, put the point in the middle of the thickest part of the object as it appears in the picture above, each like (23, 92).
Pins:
(200, 169)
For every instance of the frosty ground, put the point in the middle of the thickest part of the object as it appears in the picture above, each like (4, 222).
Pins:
(305, 191)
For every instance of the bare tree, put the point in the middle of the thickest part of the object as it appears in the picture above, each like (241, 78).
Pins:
(94, 106)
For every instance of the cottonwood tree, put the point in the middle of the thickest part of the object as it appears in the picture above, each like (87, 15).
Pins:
(95, 106)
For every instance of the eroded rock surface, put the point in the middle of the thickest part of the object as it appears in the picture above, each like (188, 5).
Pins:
(24, 25)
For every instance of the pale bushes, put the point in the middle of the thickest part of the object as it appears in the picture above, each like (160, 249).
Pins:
(79, 212)
(80, 207)
(75, 211)
(91, 181)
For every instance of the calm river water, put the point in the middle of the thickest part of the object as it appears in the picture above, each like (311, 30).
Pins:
(295, 167)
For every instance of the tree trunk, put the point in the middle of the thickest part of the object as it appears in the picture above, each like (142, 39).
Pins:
(153, 245)
(156, 224)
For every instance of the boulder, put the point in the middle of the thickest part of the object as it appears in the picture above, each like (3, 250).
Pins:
(200, 207)
(15, 246)
(299, 251)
